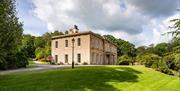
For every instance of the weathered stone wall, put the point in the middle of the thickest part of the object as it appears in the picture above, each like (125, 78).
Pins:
(93, 49)
(83, 49)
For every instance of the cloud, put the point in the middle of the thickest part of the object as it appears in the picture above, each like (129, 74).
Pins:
(108, 15)
(138, 21)
(31, 24)
(155, 8)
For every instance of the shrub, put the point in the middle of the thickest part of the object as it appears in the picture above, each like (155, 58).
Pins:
(52, 63)
(151, 60)
(170, 61)
(42, 60)
(14, 60)
(3, 65)
(140, 59)
(173, 62)
(21, 60)
(85, 63)
(124, 60)
(162, 67)
(61, 63)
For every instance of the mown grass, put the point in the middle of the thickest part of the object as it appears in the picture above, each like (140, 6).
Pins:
(31, 62)
(107, 78)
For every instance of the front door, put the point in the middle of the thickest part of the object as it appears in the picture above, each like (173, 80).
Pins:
(108, 59)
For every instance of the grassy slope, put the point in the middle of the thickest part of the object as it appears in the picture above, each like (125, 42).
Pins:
(91, 79)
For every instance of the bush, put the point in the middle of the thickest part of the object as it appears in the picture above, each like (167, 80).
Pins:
(140, 59)
(173, 62)
(162, 67)
(151, 60)
(52, 63)
(14, 60)
(85, 63)
(21, 60)
(61, 63)
(170, 61)
(42, 60)
(3, 65)
(124, 60)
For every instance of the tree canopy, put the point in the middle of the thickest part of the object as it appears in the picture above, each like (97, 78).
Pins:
(10, 36)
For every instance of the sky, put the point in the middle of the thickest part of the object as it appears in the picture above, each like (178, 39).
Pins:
(141, 22)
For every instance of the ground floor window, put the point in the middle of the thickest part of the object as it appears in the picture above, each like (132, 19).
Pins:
(66, 58)
(56, 58)
(79, 57)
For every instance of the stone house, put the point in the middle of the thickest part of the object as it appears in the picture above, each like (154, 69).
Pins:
(89, 48)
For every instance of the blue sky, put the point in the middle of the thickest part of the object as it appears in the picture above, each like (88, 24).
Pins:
(32, 24)
(141, 22)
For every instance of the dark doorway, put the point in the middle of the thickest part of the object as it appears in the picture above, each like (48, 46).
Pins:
(108, 59)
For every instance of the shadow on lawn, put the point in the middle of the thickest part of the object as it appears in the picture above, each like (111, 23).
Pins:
(100, 78)
(78, 79)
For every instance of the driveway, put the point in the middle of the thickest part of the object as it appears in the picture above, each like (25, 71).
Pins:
(38, 68)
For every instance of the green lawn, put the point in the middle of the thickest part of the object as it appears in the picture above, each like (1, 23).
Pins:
(108, 78)
(31, 62)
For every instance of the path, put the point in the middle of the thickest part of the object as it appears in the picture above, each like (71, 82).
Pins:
(38, 68)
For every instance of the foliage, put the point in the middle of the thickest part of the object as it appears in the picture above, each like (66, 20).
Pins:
(11, 55)
(161, 48)
(173, 61)
(176, 27)
(28, 46)
(123, 47)
(39, 42)
(151, 59)
(85, 63)
(124, 60)
(42, 45)
(154, 61)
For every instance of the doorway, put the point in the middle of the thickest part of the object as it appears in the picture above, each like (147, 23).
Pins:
(108, 59)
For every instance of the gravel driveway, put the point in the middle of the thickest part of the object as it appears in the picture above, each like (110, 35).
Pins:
(38, 68)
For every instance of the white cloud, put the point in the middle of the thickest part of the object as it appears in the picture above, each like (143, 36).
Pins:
(96, 14)
(139, 21)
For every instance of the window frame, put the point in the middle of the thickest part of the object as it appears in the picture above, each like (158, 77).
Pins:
(79, 58)
(66, 43)
(66, 58)
(56, 44)
(79, 42)
(56, 58)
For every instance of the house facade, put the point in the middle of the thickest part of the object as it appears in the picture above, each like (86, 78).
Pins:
(89, 48)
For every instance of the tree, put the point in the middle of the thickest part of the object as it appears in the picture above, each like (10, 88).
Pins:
(39, 42)
(28, 46)
(56, 33)
(124, 60)
(161, 48)
(176, 27)
(10, 34)
(141, 50)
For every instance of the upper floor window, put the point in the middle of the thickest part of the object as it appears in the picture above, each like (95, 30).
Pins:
(66, 43)
(79, 57)
(56, 44)
(79, 42)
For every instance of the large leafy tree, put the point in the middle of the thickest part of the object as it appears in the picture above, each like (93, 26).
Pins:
(123, 47)
(161, 48)
(10, 34)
